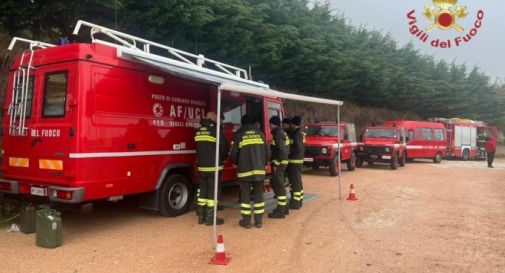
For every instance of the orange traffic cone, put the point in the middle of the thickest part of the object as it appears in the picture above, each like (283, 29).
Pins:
(352, 194)
(220, 256)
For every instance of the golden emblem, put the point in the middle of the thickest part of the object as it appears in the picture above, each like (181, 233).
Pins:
(445, 17)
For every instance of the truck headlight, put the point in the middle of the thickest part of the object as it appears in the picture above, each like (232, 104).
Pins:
(387, 150)
(324, 150)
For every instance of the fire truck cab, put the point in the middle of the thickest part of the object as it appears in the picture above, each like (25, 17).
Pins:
(383, 144)
(90, 121)
(321, 147)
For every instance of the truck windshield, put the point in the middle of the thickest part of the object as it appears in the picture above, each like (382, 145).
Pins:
(381, 133)
(318, 130)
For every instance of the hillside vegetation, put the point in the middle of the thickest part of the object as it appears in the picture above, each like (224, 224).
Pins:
(288, 45)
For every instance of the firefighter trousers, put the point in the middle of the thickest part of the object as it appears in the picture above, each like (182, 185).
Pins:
(256, 187)
(279, 184)
(206, 190)
(294, 172)
(490, 159)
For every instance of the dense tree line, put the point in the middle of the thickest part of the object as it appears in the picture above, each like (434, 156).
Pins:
(288, 45)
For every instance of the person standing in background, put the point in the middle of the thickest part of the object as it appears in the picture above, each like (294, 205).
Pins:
(490, 151)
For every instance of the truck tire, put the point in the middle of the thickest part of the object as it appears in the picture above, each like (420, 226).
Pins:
(466, 155)
(176, 195)
(403, 160)
(334, 166)
(351, 163)
(438, 158)
(393, 164)
(359, 162)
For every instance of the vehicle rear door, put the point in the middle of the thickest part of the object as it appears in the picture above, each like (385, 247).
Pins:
(51, 124)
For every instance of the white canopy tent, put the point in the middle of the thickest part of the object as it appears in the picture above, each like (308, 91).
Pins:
(224, 83)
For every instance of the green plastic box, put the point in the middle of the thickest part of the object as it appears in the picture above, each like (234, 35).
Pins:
(48, 228)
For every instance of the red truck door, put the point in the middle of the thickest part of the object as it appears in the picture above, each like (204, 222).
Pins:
(49, 128)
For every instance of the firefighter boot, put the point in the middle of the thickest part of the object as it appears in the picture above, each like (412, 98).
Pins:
(210, 218)
(246, 221)
(202, 214)
(293, 204)
(278, 213)
(258, 220)
(286, 209)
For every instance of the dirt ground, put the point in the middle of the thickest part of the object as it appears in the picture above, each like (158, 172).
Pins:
(425, 217)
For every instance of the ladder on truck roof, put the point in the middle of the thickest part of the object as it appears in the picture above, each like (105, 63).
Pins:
(146, 46)
(21, 86)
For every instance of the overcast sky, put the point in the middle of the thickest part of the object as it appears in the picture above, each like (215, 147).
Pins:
(486, 49)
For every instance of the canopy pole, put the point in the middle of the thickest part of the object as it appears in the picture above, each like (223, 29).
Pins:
(216, 165)
(339, 161)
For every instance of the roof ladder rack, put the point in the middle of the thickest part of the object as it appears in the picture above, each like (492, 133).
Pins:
(20, 87)
(129, 41)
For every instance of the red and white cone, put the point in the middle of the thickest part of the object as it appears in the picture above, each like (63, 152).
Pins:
(352, 194)
(220, 256)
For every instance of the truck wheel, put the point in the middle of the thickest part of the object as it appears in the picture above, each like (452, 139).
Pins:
(403, 159)
(393, 165)
(359, 162)
(315, 166)
(351, 163)
(176, 195)
(438, 158)
(334, 166)
(466, 155)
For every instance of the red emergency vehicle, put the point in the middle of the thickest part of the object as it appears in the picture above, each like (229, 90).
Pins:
(110, 118)
(321, 147)
(424, 139)
(466, 138)
(383, 143)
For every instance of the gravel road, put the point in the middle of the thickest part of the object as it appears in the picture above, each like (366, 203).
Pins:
(425, 217)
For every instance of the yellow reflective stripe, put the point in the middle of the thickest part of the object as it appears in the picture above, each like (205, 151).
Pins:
(284, 162)
(19, 162)
(297, 198)
(250, 142)
(259, 211)
(210, 202)
(297, 193)
(259, 205)
(290, 141)
(276, 162)
(296, 161)
(205, 138)
(251, 173)
(245, 205)
(49, 164)
(273, 142)
(209, 169)
(281, 203)
(282, 197)
(246, 212)
(287, 141)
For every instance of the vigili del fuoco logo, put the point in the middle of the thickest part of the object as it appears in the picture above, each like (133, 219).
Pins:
(445, 16)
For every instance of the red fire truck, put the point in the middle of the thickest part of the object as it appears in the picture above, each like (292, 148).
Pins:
(117, 117)
(466, 138)
(383, 144)
(321, 147)
(424, 139)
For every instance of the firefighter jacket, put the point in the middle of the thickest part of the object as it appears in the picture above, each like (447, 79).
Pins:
(250, 153)
(205, 139)
(297, 147)
(279, 147)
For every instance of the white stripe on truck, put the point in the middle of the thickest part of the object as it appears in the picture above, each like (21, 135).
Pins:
(128, 154)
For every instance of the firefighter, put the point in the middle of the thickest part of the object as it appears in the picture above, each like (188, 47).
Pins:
(250, 153)
(490, 151)
(286, 125)
(205, 140)
(294, 170)
(279, 161)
